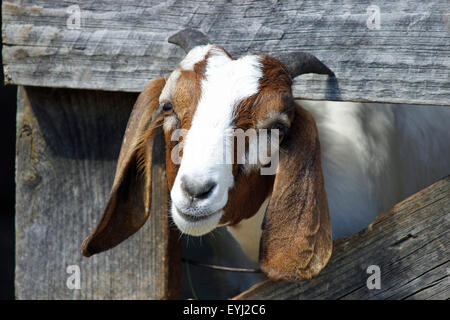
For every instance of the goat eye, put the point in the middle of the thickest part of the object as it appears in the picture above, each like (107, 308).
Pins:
(167, 107)
(282, 129)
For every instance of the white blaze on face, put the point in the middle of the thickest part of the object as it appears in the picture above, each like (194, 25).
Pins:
(226, 82)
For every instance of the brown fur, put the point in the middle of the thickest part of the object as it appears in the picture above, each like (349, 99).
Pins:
(125, 211)
(246, 197)
(274, 95)
(296, 239)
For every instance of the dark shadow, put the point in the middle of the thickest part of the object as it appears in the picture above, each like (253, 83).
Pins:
(7, 189)
(7, 198)
(332, 92)
(220, 249)
(81, 124)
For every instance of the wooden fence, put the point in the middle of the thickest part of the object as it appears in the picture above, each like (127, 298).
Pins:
(80, 65)
(409, 243)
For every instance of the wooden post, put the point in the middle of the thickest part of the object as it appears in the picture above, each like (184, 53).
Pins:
(68, 142)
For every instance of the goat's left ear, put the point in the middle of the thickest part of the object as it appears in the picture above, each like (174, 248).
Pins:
(296, 239)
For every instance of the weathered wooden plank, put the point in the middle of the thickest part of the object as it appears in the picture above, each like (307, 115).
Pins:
(68, 142)
(409, 243)
(122, 45)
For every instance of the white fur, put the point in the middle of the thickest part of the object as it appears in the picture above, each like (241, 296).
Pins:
(248, 232)
(195, 228)
(375, 155)
(170, 122)
(194, 56)
(208, 141)
(170, 87)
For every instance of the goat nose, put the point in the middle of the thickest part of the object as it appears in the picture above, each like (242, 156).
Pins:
(197, 190)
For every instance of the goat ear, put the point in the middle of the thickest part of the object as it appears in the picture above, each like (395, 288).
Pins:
(129, 201)
(296, 238)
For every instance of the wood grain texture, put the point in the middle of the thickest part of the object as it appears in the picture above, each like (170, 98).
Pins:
(409, 243)
(68, 142)
(122, 45)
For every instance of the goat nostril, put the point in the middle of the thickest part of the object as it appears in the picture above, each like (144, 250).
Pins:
(196, 190)
(206, 191)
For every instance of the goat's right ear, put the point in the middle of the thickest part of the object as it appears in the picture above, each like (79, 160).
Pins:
(296, 238)
(129, 201)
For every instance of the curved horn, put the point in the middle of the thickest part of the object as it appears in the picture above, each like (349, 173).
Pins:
(301, 62)
(188, 39)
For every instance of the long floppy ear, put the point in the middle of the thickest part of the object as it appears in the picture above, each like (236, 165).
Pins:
(296, 238)
(129, 201)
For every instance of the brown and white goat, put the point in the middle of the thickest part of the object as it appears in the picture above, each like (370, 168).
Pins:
(209, 94)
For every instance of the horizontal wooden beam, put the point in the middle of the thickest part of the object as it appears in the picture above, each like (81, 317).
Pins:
(409, 244)
(382, 52)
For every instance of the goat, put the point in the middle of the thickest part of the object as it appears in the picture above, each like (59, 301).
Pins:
(280, 219)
